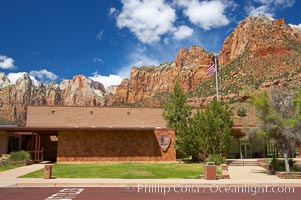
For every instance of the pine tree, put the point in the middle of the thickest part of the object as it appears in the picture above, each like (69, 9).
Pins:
(176, 110)
(177, 114)
(214, 126)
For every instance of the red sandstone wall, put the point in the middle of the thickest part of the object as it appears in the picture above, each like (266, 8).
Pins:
(94, 146)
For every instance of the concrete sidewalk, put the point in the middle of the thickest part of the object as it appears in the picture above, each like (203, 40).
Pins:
(240, 176)
(20, 171)
(250, 172)
(79, 182)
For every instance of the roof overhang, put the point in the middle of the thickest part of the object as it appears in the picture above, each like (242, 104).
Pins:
(56, 129)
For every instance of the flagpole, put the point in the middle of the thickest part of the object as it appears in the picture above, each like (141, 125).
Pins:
(216, 79)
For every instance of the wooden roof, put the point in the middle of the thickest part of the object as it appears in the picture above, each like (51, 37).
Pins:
(111, 117)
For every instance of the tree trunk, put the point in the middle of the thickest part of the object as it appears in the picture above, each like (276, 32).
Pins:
(285, 153)
(195, 157)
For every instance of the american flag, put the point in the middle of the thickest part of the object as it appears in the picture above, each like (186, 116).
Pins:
(211, 70)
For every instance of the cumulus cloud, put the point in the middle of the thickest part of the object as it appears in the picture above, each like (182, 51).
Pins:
(267, 7)
(13, 77)
(106, 80)
(183, 32)
(6, 62)
(148, 20)
(43, 75)
(206, 14)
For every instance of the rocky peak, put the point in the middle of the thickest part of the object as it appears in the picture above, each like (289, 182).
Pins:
(257, 34)
(4, 81)
(196, 56)
(189, 68)
(118, 94)
(82, 91)
(24, 83)
(79, 91)
(80, 83)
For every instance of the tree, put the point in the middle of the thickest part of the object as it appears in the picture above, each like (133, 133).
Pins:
(280, 115)
(177, 114)
(189, 142)
(176, 110)
(214, 126)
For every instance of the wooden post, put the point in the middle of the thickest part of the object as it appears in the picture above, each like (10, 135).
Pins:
(39, 143)
(36, 145)
(47, 171)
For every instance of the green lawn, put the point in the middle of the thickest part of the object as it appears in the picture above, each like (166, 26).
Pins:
(7, 167)
(124, 171)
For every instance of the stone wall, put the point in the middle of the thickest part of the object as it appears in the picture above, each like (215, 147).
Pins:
(112, 146)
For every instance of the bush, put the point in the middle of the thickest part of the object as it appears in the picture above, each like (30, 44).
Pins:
(19, 156)
(279, 165)
(232, 100)
(242, 112)
(217, 159)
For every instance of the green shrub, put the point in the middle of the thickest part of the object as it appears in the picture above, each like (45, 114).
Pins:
(19, 156)
(242, 112)
(232, 100)
(217, 159)
(279, 165)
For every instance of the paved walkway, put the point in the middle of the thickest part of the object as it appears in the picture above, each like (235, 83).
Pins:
(249, 172)
(20, 171)
(239, 176)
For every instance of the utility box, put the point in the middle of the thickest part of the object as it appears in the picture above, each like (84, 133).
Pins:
(210, 171)
(47, 171)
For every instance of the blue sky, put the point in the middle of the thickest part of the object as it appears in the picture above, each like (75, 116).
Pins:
(102, 39)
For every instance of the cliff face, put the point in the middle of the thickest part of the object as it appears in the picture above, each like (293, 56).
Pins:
(4, 80)
(260, 36)
(80, 91)
(258, 50)
(189, 67)
(257, 53)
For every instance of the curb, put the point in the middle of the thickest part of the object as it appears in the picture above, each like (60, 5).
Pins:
(22, 185)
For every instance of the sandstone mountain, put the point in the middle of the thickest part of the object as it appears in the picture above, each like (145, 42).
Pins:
(80, 91)
(190, 68)
(260, 52)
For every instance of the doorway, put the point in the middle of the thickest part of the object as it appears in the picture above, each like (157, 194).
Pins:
(246, 150)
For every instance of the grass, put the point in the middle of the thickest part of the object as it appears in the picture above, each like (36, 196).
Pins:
(7, 167)
(124, 171)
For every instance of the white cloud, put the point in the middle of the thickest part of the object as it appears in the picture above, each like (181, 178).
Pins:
(137, 60)
(6, 62)
(206, 14)
(281, 3)
(148, 20)
(106, 80)
(13, 77)
(263, 10)
(43, 75)
(98, 60)
(296, 27)
(99, 35)
(183, 32)
(267, 7)
(166, 40)
(112, 11)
